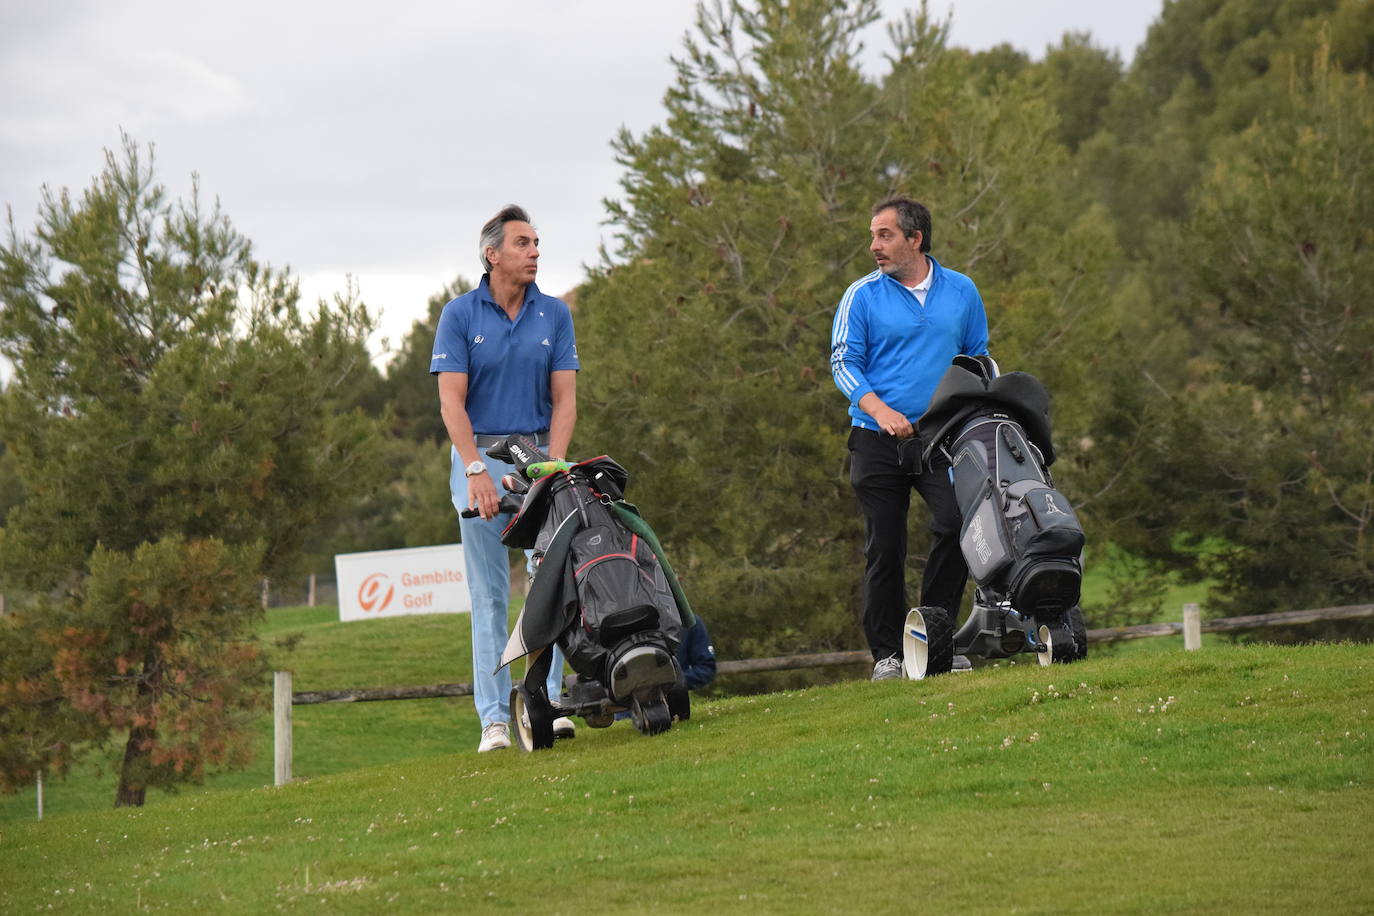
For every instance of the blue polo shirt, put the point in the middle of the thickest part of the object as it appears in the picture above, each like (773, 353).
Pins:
(885, 341)
(507, 362)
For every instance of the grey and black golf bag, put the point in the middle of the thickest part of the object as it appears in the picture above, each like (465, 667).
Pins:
(1020, 537)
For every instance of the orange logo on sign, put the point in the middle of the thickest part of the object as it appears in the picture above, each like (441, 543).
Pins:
(370, 594)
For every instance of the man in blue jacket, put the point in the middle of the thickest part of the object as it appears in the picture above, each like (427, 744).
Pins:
(895, 332)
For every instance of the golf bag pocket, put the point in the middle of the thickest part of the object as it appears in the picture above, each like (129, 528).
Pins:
(972, 481)
(1047, 540)
(620, 586)
(1043, 524)
(983, 540)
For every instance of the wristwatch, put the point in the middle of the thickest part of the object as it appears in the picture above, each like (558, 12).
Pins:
(472, 470)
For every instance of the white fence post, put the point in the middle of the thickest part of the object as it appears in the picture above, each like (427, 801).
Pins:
(281, 735)
(265, 592)
(310, 597)
(1192, 627)
(40, 795)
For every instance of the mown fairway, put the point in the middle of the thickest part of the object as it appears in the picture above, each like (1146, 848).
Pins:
(1232, 779)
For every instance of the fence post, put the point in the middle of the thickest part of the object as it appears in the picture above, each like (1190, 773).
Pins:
(1192, 627)
(265, 591)
(310, 597)
(281, 733)
(40, 795)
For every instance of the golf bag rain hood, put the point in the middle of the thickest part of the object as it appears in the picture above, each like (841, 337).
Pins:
(1020, 537)
(602, 587)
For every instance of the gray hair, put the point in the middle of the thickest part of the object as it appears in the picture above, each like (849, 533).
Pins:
(494, 232)
(912, 217)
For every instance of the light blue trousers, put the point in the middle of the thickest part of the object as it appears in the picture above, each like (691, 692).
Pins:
(488, 572)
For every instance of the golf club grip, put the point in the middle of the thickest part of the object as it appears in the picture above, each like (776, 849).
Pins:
(511, 502)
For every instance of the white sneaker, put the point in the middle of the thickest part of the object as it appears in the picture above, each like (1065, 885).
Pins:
(887, 668)
(563, 727)
(494, 736)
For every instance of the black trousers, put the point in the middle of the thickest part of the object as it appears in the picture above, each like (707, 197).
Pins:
(884, 490)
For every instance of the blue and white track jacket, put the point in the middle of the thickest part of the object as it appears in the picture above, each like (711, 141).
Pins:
(885, 341)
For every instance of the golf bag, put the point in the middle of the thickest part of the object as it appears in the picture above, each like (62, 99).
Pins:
(601, 590)
(1019, 535)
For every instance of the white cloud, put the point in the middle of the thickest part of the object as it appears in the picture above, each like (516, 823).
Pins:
(376, 139)
(396, 299)
(108, 84)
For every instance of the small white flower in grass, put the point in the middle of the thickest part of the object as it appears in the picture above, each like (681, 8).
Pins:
(1046, 785)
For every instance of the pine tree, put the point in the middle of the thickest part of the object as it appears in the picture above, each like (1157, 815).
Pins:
(1271, 450)
(178, 424)
(705, 340)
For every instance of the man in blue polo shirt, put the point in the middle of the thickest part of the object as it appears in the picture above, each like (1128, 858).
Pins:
(506, 359)
(896, 331)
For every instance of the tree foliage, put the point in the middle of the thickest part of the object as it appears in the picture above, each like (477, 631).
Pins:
(174, 416)
(745, 217)
(1270, 448)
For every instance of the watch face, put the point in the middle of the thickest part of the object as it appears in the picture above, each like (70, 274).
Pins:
(475, 468)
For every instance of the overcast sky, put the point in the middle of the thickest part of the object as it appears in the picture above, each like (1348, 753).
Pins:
(374, 139)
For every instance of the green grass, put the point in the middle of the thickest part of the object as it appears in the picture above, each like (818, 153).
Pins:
(1235, 779)
(1097, 586)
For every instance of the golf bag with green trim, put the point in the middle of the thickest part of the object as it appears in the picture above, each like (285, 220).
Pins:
(602, 590)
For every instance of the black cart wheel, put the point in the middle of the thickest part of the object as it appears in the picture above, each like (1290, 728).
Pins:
(651, 716)
(533, 720)
(927, 643)
(1079, 630)
(1059, 646)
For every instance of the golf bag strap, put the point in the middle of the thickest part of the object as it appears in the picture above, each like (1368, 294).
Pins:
(537, 671)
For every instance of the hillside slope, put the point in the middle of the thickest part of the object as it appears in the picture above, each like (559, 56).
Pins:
(1236, 778)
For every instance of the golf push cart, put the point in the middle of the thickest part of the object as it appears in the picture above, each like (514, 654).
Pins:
(603, 592)
(1019, 535)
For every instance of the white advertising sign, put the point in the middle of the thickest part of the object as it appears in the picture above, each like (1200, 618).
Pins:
(391, 583)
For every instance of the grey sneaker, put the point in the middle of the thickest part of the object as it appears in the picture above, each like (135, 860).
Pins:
(563, 727)
(961, 663)
(887, 668)
(494, 736)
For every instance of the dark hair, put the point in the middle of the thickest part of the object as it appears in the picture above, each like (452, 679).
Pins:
(912, 217)
(494, 232)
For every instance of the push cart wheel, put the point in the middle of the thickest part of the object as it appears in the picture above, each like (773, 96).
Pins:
(652, 716)
(1079, 630)
(927, 643)
(1059, 646)
(533, 720)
